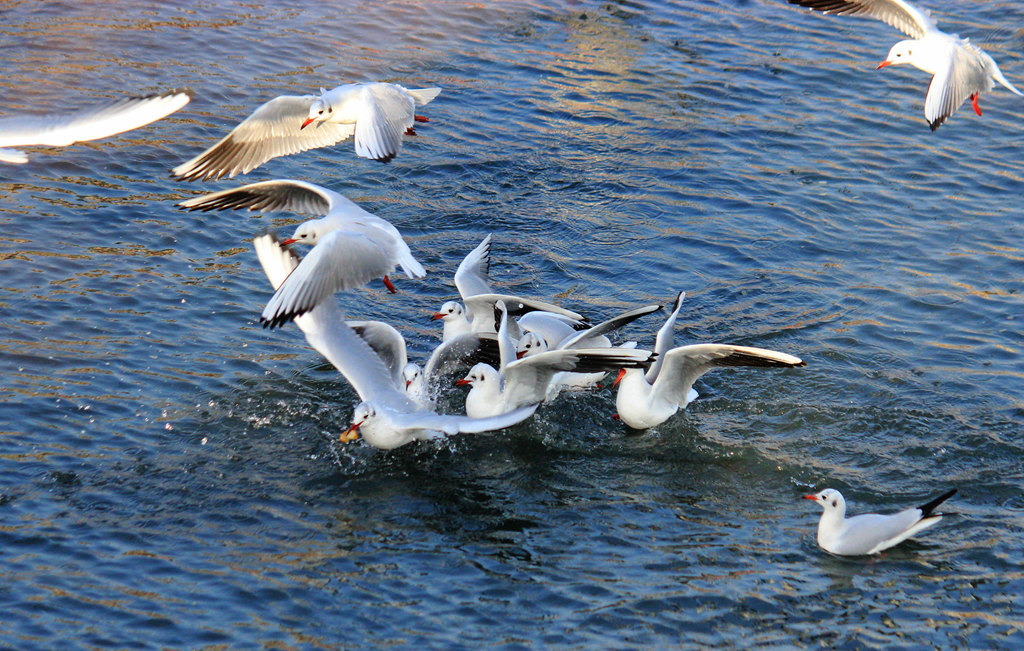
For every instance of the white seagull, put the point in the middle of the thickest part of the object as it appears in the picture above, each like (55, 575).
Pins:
(532, 343)
(870, 533)
(420, 382)
(63, 129)
(648, 400)
(959, 69)
(478, 310)
(351, 247)
(378, 114)
(526, 380)
(387, 417)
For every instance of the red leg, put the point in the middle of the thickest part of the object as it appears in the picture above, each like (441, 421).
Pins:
(420, 118)
(616, 417)
(390, 285)
(974, 102)
(410, 131)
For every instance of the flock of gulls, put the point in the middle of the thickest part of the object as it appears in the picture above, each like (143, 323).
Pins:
(517, 352)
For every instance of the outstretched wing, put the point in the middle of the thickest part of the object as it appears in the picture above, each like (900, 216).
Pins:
(900, 14)
(274, 129)
(472, 276)
(89, 123)
(451, 424)
(682, 366)
(665, 340)
(587, 337)
(963, 75)
(388, 343)
(280, 194)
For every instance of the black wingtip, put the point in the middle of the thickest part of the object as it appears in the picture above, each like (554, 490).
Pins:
(926, 509)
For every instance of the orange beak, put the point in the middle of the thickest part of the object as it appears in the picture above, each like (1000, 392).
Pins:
(351, 434)
(883, 64)
(622, 373)
(306, 123)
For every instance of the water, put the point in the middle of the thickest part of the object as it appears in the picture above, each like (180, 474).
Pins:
(169, 471)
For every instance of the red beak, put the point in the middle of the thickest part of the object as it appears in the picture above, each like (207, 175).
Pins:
(407, 383)
(811, 497)
(520, 354)
(463, 382)
(622, 373)
(290, 240)
(306, 123)
(883, 64)
(437, 316)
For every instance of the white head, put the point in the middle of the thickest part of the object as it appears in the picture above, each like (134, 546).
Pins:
(364, 412)
(412, 375)
(450, 311)
(319, 111)
(902, 52)
(831, 500)
(308, 232)
(481, 376)
(530, 344)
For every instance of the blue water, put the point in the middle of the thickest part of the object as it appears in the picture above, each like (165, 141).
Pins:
(170, 475)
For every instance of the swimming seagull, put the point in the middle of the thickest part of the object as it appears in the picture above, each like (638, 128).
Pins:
(959, 69)
(387, 418)
(62, 129)
(477, 311)
(526, 380)
(351, 247)
(870, 533)
(646, 400)
(377, 114)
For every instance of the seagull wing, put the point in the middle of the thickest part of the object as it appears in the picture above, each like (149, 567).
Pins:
(451, 424)
(682, 366)
(472, 276)
(388, 343)
(385, 112)
(90, 123)
(585, 337)
(911, 20)
(963, 75)
(274, 129)
(665, 340)
(482, 315)
(280, 194)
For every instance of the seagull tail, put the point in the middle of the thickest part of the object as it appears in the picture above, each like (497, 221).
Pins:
(423, 95)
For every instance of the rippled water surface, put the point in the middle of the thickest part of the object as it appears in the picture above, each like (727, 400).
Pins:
(170, 475)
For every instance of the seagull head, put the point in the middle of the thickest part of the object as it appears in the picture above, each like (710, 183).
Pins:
(364, 412)
(830, 499)
(530, 344)
(449, 311)
(902, 52)
(481, 375)
(319, 111)
(307, 233)
(411, 374)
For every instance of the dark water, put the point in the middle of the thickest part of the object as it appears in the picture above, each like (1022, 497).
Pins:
(169, 472)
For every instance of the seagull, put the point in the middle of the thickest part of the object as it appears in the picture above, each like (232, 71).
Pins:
(350, 246)
(870, 533)
(476, 312)
(419, 382)
(378, 114)
(526, 380)
(959, 69)
(387, 417)
(63, 129)
(647, 400)
(532, 343)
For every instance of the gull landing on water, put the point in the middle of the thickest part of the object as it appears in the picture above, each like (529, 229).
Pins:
(959, 69)
(108, 119)
(870, 533)
(377, 114)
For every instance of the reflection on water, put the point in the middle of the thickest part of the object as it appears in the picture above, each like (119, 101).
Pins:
(171, 472)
